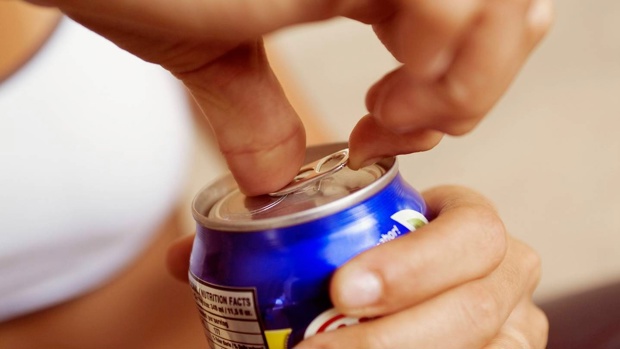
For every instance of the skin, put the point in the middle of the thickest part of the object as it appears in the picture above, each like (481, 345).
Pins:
(24, 29)
(142, 307)
(161, 319)
(458, 58)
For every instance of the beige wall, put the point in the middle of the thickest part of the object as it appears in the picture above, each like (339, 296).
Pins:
(548, 154)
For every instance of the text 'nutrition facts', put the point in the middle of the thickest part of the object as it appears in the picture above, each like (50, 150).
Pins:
(230, 316)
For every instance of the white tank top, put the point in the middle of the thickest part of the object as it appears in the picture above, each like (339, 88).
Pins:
(94, 148)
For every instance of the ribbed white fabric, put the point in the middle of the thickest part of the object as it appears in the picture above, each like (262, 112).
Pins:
(94, 147)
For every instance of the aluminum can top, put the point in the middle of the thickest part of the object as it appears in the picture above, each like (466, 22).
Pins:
(324, 186)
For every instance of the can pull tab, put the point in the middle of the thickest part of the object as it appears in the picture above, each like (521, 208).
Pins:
(315, 171)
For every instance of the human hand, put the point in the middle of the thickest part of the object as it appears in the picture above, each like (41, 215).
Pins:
(458, 58)
(459, 282)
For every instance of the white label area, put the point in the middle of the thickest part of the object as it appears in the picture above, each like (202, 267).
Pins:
(229, 315)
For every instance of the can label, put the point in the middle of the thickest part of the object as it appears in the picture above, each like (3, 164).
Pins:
(231, 319)
(330, 320)
(410, 219)
(229, 315)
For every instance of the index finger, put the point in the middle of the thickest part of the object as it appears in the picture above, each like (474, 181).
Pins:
(215, 48)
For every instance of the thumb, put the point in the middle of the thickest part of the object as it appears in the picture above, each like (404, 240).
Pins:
(257, 130)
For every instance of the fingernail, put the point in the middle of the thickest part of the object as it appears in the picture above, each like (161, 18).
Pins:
(360, 288)
(369, 162)
(356, 162)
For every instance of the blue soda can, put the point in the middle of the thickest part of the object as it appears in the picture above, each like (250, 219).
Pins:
(260, 266)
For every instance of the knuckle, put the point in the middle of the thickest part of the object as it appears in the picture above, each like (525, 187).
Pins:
(491, 241)
(462, 104)
(541, 323)
(531, 264)
(540, 18)
(532, 261)
(481, 310)
(494, 234)
(533, 330)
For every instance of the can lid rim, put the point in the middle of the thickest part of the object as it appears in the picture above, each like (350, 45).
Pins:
(209, 195)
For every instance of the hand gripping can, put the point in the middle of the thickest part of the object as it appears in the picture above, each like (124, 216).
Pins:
(260, 266)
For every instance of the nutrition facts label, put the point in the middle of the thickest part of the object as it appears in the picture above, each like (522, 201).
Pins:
(230, 316)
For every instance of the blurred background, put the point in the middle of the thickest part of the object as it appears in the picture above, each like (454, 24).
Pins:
(548, 154)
